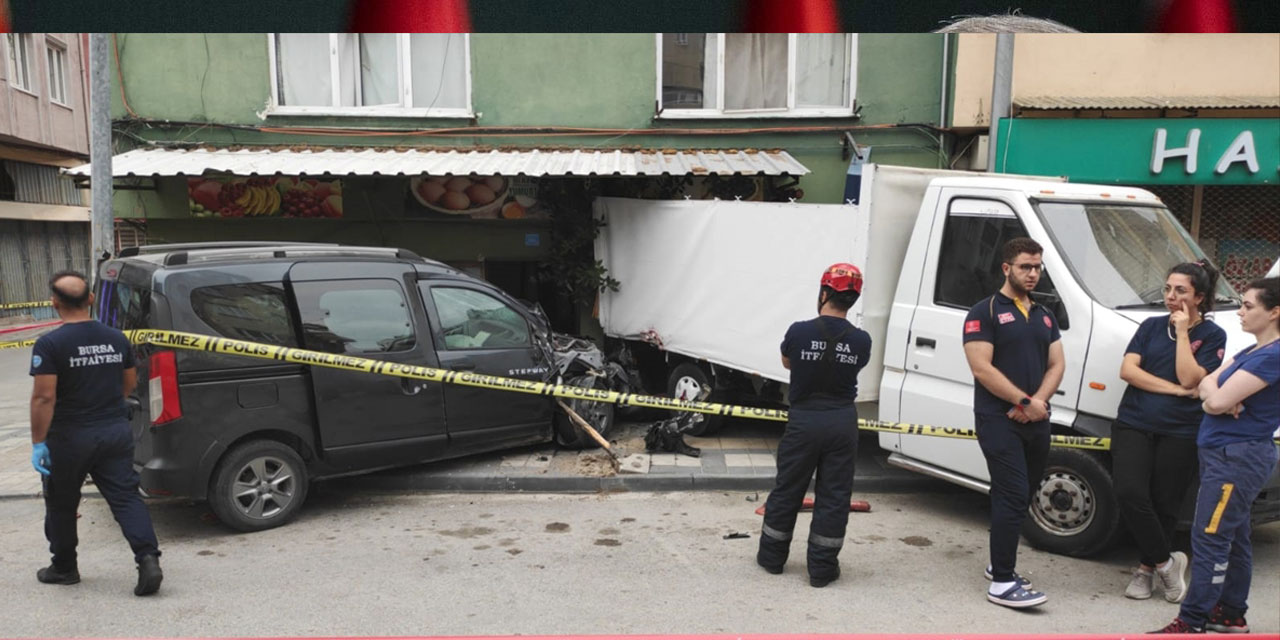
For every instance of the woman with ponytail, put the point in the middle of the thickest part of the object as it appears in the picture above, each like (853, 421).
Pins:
(1153, 440)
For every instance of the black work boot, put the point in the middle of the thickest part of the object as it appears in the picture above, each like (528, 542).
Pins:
(822, 581)
(149, 576)
(51, 575)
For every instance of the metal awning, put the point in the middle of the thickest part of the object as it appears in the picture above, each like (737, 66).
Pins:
(1146, 102)
(412, 162)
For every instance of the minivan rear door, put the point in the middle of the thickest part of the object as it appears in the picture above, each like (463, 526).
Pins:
(369, 310)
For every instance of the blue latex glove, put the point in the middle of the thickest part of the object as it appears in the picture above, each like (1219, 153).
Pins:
(40, 457)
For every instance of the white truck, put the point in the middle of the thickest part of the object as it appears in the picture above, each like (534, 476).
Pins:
(709, 287)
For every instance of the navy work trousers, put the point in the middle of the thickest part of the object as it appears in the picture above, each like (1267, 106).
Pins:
(825, 442)
(1016, 455)
(105, 453)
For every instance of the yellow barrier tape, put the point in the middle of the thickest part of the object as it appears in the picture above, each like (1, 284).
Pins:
(16, 344)
(212, 344)
(4, 306)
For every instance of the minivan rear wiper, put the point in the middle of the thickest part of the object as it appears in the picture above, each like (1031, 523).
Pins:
(1141, 305)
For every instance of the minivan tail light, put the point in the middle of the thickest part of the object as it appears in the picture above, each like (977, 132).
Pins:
(163, 388)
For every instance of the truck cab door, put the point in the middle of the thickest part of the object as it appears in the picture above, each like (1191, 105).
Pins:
(480, 331)
(367, 311)
(963, 267)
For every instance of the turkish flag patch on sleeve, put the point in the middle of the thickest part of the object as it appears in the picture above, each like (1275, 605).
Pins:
(973, 326)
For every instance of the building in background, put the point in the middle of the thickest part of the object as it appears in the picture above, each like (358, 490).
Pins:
(484, 150)
(44, 217)
(1195, 118)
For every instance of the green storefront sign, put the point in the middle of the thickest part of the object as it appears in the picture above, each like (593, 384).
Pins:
(1143, 151)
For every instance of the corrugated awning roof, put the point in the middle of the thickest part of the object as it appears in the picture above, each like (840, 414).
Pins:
(412, 162)
(1147, 102)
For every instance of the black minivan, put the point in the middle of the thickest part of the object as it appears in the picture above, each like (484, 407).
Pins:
(249, 435)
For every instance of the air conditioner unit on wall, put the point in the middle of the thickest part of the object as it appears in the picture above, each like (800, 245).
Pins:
(977, 160)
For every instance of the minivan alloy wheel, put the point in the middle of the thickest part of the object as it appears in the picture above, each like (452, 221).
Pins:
(264, 487)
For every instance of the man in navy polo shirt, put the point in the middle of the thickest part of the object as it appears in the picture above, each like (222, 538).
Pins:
(1013, 348)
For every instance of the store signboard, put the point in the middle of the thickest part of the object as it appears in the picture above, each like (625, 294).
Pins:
(1208, 151)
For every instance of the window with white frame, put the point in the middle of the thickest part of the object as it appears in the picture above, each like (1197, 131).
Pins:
(413, 74)
(20, 60)
(725, 75)
(57, 59)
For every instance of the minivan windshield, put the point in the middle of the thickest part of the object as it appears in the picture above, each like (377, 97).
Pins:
(1121, 253)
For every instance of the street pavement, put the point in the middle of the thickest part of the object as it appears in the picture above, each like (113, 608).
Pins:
(358, 563)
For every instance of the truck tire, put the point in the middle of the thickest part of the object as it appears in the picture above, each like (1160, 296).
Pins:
(690, 381)
(599, 414)
(1074, 510)
(260, 484)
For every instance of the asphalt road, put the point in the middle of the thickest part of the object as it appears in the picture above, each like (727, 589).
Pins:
(450, 564)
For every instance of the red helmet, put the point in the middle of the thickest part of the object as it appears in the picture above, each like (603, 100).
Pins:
(843, 276)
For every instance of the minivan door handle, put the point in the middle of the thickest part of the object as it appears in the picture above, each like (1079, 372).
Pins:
(411, 387)
(926, 342)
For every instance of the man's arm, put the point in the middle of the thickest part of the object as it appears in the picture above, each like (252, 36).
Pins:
(130, 380)
(43, 394)
(786, 362)
(1039, 409)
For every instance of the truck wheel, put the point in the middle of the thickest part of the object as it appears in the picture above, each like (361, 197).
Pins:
(258, 485)
(1074, 510)
(600, 415)
(689, 381)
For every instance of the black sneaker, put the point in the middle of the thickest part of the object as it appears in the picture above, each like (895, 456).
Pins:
(1178, 626)
(820, 582)
(149, 576)
(1224, 621)
(51, 575)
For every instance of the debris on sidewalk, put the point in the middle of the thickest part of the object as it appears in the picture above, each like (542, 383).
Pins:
(855, 506)
(597, 464)
(737, 535)
(668, 435)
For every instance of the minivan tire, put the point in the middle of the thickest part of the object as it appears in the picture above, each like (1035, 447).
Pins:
(689, 379)
(600, 415)
(1074, 511)
(260, 484)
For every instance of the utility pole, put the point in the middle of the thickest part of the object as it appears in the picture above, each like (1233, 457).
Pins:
(102, 235)
(1001, 93)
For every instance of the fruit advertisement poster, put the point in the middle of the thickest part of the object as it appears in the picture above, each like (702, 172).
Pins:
(476, 197)
(277, 197)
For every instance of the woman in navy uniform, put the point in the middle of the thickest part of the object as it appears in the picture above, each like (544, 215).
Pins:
(1153, 439)
(824, 355)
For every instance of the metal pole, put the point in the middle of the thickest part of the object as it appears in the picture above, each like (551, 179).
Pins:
(1001, 93)
(103, 230)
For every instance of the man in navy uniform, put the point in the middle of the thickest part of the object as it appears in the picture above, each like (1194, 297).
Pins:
(1013, 347)
(824, 355)
(83, 372)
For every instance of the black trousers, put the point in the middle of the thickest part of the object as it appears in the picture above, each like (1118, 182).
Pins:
(825, 442)
(1016, 455)
(1151, 473)
(104, 452)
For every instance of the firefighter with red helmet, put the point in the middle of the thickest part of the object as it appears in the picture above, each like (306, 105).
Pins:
(824, 355)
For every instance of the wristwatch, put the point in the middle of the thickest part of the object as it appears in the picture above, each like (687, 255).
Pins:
(1025, 401)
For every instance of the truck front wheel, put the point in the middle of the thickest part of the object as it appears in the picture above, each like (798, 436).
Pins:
(688, 381)
(1073, 511)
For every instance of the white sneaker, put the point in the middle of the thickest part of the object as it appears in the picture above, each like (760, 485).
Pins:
(1173, 577)
(1139, 585)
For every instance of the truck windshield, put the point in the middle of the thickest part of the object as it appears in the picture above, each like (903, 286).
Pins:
(1121, 253)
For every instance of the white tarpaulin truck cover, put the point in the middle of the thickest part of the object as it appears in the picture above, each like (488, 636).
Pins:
(720, 280)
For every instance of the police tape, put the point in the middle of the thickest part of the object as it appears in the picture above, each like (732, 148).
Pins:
(294, 355)
(5, 306)
(16, 344)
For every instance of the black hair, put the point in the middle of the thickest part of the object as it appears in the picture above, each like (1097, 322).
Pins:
(1268, 292)
(842, 300)
(1016, 246)
(1204, 279)
(73, 301)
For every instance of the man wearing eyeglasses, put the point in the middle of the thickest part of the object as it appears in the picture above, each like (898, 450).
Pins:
(1014, 350)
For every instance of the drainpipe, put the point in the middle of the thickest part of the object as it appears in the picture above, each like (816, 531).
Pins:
(946, 57)
(102, 231)
(1001, 93)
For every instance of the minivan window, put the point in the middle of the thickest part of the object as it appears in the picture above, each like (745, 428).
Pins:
(470, 319)
(354, 316)
(122, 306)
(969, 265)
(257, 312)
